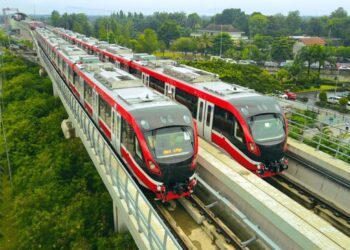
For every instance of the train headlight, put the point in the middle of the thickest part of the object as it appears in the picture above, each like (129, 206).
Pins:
(252, 147)
(153, 168)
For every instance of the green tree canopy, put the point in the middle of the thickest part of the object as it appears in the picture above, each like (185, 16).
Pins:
(148, 41)
(169, 31)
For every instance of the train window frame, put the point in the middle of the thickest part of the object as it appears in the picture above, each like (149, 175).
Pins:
(138, 150)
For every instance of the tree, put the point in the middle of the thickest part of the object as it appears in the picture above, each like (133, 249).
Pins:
(184, 44)
(194, 21)
(148, 41)
(257, 24)
(169, 31)
(294, 22)
(282, 75)
(55, 18)
(343, 102)
(252, 52)
(323, 96)
(221, 43)
(204, 43)
(235, 17)
(339, 13)
(281, 49)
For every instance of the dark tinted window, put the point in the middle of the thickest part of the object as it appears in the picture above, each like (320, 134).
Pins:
(225, 123)
(128, 137)
(105, 112)
(87, 93)
(156, 84)
(190, 101)
(200, 112)
(209, 115)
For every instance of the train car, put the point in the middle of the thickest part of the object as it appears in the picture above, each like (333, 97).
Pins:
(248, 126)
(155, 136)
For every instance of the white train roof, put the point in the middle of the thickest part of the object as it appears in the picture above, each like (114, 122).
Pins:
(122, 86)
(199, 79)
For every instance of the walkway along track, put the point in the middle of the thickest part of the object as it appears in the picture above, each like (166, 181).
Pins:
(314, 201)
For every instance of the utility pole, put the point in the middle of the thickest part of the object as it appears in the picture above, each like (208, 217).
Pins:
(220, 40)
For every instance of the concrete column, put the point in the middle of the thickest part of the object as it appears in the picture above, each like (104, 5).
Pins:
(119, 223)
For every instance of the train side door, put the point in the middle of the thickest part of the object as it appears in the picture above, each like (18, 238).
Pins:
(205, 114)
(145, 79)
(116, 125)
(169, 90)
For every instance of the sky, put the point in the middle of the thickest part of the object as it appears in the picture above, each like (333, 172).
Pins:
(202, 7)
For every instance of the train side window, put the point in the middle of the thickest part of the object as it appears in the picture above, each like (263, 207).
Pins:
(157, 84)
(200, 112)
(238, 132)
(75, 78)
(128, 137)
(208, 116)
(105, 111)
(111, 60)
(87, 93)
(70, 75)
(190, 101)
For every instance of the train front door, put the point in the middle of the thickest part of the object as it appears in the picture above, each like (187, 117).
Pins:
(205, 113)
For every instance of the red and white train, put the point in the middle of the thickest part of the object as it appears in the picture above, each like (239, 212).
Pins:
(250, 127)
(155, 136)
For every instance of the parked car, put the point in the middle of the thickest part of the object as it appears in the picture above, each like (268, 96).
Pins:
(243, 62)
(289, 95)
(333, 99)
(270, 64)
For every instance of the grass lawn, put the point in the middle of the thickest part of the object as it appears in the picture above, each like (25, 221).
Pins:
(321, 88)
(8, 240)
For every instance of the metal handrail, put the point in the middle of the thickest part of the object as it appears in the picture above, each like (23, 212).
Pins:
(122, 187)
(320, 139)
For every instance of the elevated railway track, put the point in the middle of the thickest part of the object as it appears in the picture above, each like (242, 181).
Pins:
(269, 218)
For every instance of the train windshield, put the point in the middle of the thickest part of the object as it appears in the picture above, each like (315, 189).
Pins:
(267, 127)
(171, 142)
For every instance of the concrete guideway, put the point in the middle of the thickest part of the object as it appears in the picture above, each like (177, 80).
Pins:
(329, 178)
(284, 220)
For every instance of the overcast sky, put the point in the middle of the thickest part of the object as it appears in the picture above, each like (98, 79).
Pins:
(202, 7)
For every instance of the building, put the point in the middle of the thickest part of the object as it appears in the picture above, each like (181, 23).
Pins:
(214, 29)
(302, 41)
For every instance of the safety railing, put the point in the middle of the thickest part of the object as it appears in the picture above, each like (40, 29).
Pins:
(124, 187)
(320, 135)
